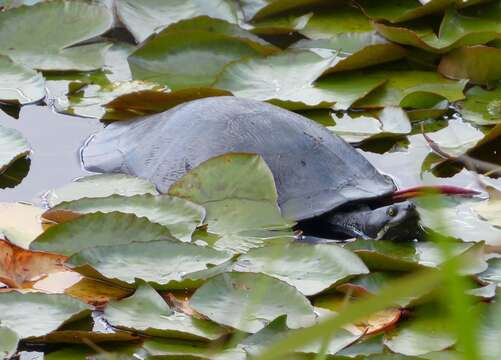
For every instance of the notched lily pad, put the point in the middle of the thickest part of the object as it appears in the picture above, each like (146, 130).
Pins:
(148, 313)
(20, 85)
(163, 264)
(46, 36)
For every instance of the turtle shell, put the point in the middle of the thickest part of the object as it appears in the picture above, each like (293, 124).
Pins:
(315, 171)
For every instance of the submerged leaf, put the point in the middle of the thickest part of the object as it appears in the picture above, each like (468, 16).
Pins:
(98, 229)
(178, 215)
(164, 264)
(148, 313)
(249, 302)
(20, 85)
(45, 36)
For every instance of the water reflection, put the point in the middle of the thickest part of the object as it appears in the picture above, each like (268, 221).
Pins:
(55, 140)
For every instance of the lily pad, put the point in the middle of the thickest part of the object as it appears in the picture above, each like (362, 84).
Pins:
(20, 223)
(398, 11)
(353, 50)
(238, 192)
(98, 229)
(147, 17)
(248, 302)
(482, 106)
(163, 264)
(193, 52)
(36, 314)
(45, 36)
(20, 85)
(289, 79)
(255, 10)
(493, 272)
(298, 264)
(8, 342)
(479, 64)
(148, 313)
(457, 138)
(420, 336)
(98, 186)
(472, 26)
(277, 329)
(13, 146)
(178, 215)
(195, 351)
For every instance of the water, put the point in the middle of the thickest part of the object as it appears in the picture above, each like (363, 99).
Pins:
(55, 140)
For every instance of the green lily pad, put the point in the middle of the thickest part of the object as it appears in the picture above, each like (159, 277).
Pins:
(98, 186)
(277, 329)
(13, 146)
(43, 37)
(289, 79)
(422, 335)
(163, 264)
(398, 10)
(147, 17)
(353, 50)
(413, 89)
(20, 85)
(482, 106)
(255, 10)
(37, 314)
(98, 229)
(8, 342)
(248, 302)
(298, 265)
(479, 64)
(239, 195)
(178, 215)
(193, 52)
(341, 19)
(282, 24)
(472, 26)
(148, 313)
(196, 351)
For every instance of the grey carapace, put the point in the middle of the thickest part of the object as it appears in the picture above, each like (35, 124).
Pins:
(322, 181)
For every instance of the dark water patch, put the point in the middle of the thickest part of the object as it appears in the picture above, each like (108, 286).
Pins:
(55, 140)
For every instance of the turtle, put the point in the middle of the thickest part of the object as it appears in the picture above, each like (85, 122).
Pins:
(323, 182)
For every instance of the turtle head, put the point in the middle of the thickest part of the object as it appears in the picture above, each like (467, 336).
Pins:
(395, 221)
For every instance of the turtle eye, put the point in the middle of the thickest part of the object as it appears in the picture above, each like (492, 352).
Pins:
(392, 211)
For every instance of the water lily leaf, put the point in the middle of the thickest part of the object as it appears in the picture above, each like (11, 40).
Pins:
(341, 19)
(457, 138)
(228, 298)
(19, 266)
(482, 106)
(98, 229)
(289, 79)
(163, 264)
(37, 314)
(479, 64)
(255, 10)
(238, 192)
(8, 342)
(43, 37)
(490, 210)
(493, 272)
(96, 292)
(426, 333)
(297, 264)
(147, 17)
(178, 215)
(148, 313)
(278, 329)
(364, 347)
(97, 186)
(283, 24)
(162, 347)
(472, 26)
(414, 89)
(354, 50)
(20, 85)
(20, 223)
(193, 52)
(13, 146)
(398, 11)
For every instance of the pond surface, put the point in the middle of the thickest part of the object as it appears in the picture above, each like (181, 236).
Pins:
(55, 141)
